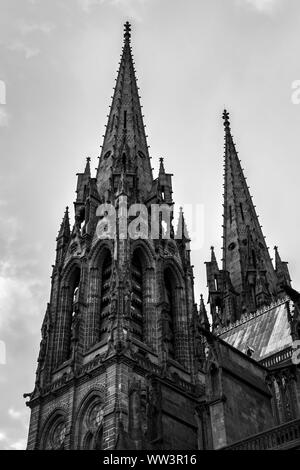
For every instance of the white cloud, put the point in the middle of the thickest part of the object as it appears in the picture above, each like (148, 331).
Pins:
(18, 445)
(27, 28)
(16, 292)
(129, 5)
(4, 117)
(14, 414)
(263, 6)
(19, 415)
(28, 51)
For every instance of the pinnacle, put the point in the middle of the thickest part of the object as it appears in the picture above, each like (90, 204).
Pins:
(203, 314)
(182, 231)
(65, 225)
(87, 170)
(161, 166)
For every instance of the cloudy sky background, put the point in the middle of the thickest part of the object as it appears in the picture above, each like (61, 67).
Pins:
(59, 59)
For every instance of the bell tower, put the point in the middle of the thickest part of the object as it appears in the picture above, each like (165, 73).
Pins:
(116, 357)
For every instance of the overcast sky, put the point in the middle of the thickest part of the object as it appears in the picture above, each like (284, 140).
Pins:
(58, 60)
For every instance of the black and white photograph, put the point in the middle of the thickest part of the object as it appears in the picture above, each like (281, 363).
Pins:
(149, 257)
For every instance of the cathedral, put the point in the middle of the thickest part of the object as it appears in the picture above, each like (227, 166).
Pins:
(128, 360)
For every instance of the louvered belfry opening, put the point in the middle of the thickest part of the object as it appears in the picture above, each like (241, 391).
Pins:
(170, 313)
(137, 298)
(70, 303)
(105, 296)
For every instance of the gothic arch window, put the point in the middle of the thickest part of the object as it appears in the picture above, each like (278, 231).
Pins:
(230, 214)
(254, 259)
(54, 435)
(106, 272)
(124, 160)
(71, 334)
(141, 298)
(174, 314)
(99, 297)
(112, 123)
(214, 380)
(90, 425)
(137, 297)
(215, 281)
(67, 328)
(242, 212)
(81, 214)
(169, 314)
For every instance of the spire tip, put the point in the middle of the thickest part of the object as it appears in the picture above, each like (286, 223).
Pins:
(127, 32)
(226, 120)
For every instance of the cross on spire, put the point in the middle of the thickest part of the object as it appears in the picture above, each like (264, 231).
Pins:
(127, 32)
(226, 120)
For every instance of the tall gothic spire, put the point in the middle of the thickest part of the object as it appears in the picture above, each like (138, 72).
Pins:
(245, 252)
(125, 146)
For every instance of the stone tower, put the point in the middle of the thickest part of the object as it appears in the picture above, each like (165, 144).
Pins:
(116, 367)
(248, 280)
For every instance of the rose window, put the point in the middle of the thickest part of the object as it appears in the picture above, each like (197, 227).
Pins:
(96, 416)
(58, 436)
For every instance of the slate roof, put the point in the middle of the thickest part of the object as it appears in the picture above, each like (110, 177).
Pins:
(266, 331)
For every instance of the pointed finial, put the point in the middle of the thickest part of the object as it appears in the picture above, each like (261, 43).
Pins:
(226, 120)
(87, 170)
(182, 231)
(127, 32)
(213, 256)
(122, 186)
(203, 314)
(65, 224)
(278, 261)
(161, 166)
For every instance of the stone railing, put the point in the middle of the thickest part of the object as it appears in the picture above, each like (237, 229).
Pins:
(276, 359)
(285, 436)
